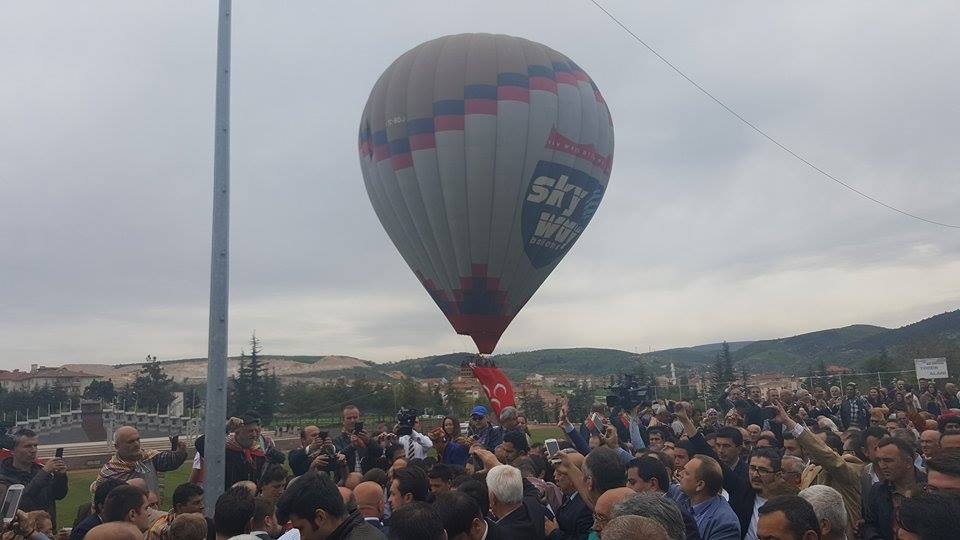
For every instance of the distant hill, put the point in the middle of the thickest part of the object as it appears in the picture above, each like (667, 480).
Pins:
(853, 346)
(797, 353)
(689, 357)
(850, 346)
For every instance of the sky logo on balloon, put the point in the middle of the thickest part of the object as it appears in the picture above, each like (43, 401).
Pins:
(559, 203)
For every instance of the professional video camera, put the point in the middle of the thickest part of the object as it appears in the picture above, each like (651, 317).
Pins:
(405, 420)
(628, 393)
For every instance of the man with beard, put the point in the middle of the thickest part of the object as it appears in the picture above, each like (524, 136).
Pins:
(765, 474)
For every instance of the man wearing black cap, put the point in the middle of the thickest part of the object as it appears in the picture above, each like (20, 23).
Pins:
(248, 451)
(854, 410)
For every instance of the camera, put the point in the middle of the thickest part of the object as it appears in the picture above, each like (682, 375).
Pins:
(405, 420)
(627, 393)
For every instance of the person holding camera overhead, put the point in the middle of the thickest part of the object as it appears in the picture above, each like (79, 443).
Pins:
(415, 444)
(360, 450)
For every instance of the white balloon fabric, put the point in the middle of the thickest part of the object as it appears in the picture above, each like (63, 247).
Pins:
(485, 157)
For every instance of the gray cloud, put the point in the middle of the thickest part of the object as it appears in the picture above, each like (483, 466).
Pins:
(707, 232)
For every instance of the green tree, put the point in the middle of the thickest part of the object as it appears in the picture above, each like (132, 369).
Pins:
(455, 402)
(880, 363)
(300, 398)
(727, 360)
(151, 390)
(252, 387)
(102, 390)
(580, 402)
(534, 407)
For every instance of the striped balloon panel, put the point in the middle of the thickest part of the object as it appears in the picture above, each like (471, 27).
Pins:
(484, 157)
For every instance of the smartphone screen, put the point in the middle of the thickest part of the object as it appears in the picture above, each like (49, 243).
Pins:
(597, 423)
(11, 502)
(357, 428)
(552, 447)
(174, 442)
(59, 453)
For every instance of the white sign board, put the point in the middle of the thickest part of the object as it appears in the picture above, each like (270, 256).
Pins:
(931, 368)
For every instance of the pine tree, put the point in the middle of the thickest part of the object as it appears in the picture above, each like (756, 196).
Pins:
(252, 385)
(727, 358)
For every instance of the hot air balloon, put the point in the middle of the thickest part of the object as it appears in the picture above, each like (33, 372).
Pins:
(485, 157)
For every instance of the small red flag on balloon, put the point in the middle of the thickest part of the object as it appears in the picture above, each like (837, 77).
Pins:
(496, 386)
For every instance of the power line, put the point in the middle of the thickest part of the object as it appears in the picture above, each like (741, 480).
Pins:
(762, 133)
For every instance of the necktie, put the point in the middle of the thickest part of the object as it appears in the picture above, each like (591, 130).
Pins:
(410, 453)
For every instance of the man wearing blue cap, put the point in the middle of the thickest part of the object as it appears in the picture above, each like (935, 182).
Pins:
(480, 429)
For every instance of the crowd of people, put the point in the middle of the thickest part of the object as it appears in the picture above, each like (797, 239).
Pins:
(818, 464)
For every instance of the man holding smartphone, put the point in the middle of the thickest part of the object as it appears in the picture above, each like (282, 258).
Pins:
(45, 483)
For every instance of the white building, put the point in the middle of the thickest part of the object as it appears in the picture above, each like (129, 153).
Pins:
(39, 376)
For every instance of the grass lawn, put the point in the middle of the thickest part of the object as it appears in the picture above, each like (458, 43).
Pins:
(79, 490)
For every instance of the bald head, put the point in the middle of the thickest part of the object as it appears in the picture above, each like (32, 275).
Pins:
(127, 442)
(248, 485)
(606, 502)
(929, 442)
(139, 483)
(115, 530)
(368, 493)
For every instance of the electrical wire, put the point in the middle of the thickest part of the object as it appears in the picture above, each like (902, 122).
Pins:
(759, 131)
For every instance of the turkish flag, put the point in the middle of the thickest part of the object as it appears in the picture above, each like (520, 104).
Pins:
(497, 387)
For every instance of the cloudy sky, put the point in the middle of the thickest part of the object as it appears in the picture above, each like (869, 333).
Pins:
(707, 231)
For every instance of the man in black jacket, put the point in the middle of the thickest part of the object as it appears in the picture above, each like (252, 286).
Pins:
(462, 518)
(313, 504)
(517, 516)
(298, 457)
(248, 452)
(44, 483)
(899, 479)
(574, 517)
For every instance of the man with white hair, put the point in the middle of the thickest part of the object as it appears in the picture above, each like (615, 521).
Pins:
(518, 517)
(827, 504)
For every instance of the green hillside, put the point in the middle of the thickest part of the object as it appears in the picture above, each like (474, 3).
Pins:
(520, 364)
(795, 354)
(685, 358)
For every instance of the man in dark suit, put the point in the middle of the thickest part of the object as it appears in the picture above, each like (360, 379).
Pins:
(574, 518)
(370, 503)
(517, 516)
(462, 518)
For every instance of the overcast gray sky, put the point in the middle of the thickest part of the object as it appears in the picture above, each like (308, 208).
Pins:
(707, 232)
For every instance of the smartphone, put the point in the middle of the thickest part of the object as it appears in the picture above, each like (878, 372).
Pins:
(174, 442)
(11, 503)
(322, 436)
(357, 428)
(552, 447)
(59, 453)
(597, 424)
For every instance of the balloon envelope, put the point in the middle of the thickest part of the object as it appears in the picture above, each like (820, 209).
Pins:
(485, 157)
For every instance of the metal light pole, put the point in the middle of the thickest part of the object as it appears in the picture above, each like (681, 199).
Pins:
(215, 411)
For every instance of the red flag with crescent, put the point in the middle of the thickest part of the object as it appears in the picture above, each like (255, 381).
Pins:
(496, 386)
